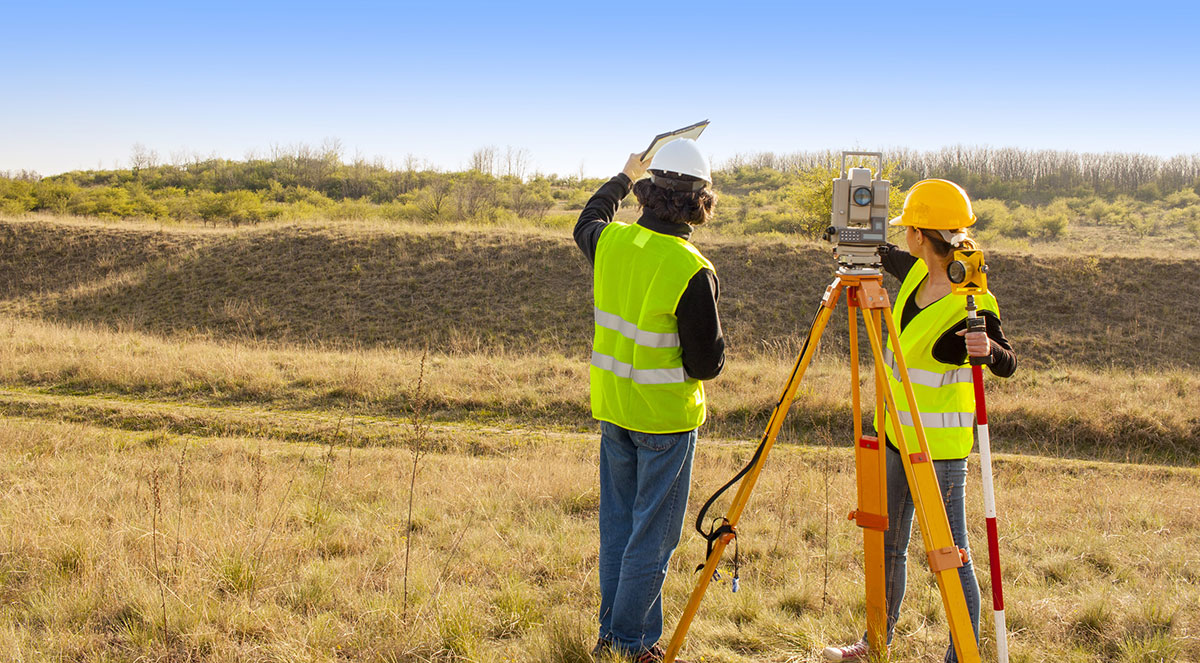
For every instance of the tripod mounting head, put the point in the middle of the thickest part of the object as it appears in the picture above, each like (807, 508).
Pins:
(858, 219)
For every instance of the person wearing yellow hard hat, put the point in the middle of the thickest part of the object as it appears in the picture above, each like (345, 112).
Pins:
(656, 338)
(932, 324)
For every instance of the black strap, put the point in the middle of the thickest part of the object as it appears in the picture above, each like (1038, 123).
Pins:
(715, 532)
(712, 537)
(677, 184)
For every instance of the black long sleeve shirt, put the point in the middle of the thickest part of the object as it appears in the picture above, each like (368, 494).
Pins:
(700, 336)
(950, 348)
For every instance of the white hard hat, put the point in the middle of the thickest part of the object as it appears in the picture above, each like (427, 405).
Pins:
(682, 157)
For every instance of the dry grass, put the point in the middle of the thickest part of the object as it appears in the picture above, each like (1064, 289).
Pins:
(276, 551)
(207, 453)
(475, 289)
(216, 387)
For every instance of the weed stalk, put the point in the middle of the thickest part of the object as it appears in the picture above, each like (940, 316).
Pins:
(419, 431)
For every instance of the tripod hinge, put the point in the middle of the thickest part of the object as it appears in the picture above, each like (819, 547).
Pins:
(868, 520)
(871, 295)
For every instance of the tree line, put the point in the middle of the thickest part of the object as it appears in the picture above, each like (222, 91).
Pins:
(1030, 177)
(1035, 194)
(299, 182)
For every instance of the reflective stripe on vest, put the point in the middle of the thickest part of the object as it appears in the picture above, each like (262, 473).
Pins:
(630, 331)
(944, 393)
(929, 378)
(940, 419)
(637, 376)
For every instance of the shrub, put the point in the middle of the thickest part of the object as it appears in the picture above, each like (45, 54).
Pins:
(990, 212)
(105, 202)
(236, 207)
(1185, 198)
(1142, 223)
(54, 195)
(16, 196)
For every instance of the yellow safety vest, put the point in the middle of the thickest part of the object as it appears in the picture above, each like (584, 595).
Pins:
(944, 392)
(637, 376)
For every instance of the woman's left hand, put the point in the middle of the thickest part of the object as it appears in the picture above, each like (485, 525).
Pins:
(978, 343)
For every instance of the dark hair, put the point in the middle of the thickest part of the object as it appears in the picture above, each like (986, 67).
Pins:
(690, 207)
(943, 248)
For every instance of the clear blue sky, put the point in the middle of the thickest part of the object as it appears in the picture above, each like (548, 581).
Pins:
(80, 83)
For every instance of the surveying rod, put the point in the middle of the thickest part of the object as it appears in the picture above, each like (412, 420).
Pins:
(975, 323)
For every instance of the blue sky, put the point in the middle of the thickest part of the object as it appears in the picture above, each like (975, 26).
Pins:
(581, 86)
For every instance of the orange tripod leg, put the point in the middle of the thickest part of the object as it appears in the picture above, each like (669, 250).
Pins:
(943, 555)
(871, 515)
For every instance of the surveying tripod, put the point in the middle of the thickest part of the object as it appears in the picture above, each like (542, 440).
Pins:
(864, 289)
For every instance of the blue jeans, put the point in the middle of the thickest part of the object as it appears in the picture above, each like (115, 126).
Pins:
(952, 478)
(644, 483)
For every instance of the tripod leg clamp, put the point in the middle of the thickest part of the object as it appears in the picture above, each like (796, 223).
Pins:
(869, 520)
(942, 559)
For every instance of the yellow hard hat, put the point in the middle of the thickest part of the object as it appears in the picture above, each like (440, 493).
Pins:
(937, 205)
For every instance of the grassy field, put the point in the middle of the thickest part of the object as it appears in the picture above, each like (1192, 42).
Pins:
(211, 438)
(151, 546)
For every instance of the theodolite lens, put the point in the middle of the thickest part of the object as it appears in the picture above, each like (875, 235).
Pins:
(863, 196)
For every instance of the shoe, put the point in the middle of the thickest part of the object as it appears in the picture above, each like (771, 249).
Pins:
(602, 646)
(654, 654)
(855, 652)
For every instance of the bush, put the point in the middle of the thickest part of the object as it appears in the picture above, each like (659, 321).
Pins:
(990, 212)
(105, 202)
(236, 207)
(1039, 223)
(54, 195)
(1143, 223)
(1050, 222)
(350, 209)
(531, 200)
(1181, 199)
(16, 196)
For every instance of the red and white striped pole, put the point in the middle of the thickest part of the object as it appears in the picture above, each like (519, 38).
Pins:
(975, 323)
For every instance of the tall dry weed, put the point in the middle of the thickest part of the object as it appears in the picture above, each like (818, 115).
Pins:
(418, 439)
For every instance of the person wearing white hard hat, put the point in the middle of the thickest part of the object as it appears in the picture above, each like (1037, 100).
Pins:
(657, 336)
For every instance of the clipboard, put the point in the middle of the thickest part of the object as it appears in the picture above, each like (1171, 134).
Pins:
(692, 131)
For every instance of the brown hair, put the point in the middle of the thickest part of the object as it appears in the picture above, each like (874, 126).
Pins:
(943, 248)
(690, 207)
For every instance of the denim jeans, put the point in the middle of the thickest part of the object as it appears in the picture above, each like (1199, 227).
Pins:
(952, 477)
(644, 483)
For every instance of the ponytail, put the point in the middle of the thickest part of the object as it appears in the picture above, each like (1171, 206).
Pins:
(946, 242)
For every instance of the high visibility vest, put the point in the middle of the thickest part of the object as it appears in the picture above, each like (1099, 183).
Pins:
(637, 376)
(945, 393)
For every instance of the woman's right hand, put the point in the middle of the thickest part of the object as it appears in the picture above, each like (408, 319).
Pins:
(635, 168)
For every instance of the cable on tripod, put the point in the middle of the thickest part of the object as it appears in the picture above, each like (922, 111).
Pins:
(715, 531)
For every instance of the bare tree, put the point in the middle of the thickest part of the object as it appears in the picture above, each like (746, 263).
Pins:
(142, 157)
(516, 162)
(331, 150)
(483, 160)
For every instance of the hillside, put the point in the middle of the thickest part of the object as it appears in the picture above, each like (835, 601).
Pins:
(339, 285)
